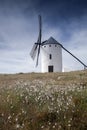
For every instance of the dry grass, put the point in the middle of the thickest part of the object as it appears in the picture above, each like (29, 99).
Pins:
(50, 101)
(58, 78)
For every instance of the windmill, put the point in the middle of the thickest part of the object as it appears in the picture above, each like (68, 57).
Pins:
(51, 53)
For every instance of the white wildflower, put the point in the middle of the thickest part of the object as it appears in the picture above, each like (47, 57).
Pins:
(16, 119)
(9, 117)
(53, 126)
(42, 127)
(18, 126)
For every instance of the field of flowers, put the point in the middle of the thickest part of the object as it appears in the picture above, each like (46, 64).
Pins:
(54, 101)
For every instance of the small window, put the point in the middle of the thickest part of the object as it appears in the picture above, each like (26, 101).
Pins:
(50, 68)
(44, 46)
(55, 45)
(49, 45)
(50, 56)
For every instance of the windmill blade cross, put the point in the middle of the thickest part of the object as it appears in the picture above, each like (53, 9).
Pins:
(36, 47)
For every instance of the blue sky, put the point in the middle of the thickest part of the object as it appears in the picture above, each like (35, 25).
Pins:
(65, 20)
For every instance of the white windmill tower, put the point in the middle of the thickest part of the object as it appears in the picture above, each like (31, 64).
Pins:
(51, 58)
(51, 50)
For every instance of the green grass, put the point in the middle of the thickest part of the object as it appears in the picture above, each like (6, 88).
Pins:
(55, 101)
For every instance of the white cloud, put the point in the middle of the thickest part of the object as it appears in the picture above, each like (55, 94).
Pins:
(17, 35)
(77, 45)
(16, 61)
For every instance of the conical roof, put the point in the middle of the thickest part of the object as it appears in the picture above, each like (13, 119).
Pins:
(51, 40)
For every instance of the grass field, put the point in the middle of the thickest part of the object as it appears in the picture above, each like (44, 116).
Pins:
(49, 101)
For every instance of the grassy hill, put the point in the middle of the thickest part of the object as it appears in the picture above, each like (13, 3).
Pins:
(49, 101)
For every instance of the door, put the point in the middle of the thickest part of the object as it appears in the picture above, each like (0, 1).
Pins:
(50, 68)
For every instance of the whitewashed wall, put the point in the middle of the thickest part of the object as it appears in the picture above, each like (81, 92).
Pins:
(56, 60)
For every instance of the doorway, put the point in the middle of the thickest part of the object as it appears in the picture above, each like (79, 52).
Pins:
(50, 68)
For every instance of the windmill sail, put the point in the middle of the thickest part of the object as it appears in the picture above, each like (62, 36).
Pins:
(40, 30)
(36, 47)
(38, 56)
(39, 39)
(33, 51)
